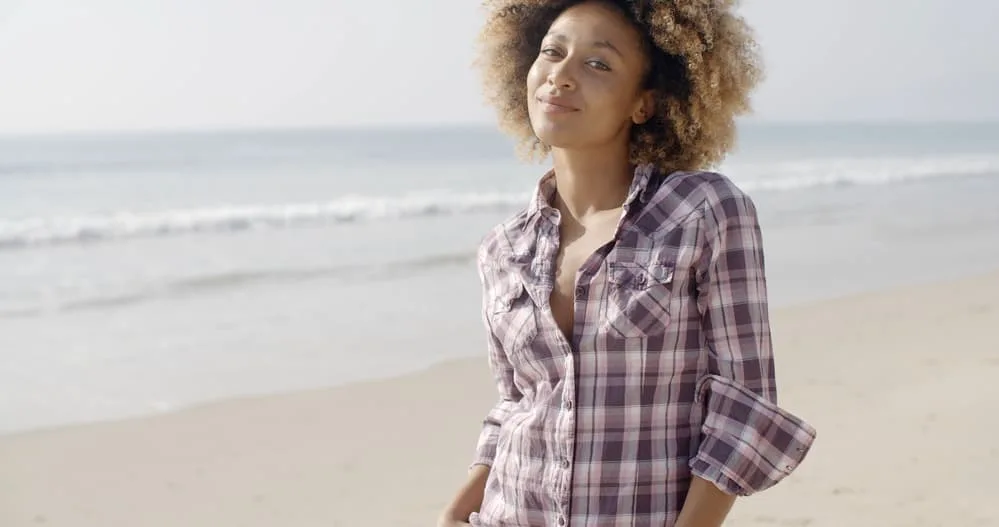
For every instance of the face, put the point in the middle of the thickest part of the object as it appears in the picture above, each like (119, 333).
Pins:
(585, 87)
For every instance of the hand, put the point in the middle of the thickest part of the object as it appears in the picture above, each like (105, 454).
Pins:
(450, 519)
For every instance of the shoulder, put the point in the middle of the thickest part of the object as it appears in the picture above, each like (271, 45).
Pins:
(712, 195)
(500, 241)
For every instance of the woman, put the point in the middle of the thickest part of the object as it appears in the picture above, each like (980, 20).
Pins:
(626, 305)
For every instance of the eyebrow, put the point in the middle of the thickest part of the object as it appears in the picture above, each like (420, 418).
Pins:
(605, 44)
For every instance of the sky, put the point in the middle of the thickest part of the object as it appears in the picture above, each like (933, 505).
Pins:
(72, 65)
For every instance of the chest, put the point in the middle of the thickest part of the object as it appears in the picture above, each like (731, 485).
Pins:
(576, 247)
(622, 281)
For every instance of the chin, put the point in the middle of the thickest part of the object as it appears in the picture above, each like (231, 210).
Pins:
(556, 136)
(565, 141)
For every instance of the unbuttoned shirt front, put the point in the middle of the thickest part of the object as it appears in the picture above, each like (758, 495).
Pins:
(668, 372)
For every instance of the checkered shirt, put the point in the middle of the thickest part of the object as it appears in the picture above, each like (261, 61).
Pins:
(668, 374)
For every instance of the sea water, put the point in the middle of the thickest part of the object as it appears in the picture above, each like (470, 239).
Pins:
(146, 272)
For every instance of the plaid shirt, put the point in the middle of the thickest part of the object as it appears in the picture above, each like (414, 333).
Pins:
(668, 373)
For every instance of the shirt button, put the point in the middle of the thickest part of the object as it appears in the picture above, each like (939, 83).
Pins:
(565, 463)
(561, 520)
(568, 405)
(580, 290)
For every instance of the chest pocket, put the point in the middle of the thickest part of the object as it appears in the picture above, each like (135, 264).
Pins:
(513, 315)
(639, 298)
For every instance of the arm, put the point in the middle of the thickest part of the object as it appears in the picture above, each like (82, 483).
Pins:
(732, 297)
(747, 442)
(706, 505)
(469, 497)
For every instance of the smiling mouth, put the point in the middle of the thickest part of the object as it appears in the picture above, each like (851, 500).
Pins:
(552, 107)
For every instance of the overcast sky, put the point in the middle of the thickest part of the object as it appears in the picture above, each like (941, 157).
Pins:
(68, 65)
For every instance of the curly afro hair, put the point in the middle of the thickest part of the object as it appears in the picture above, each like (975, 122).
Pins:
(703, 64)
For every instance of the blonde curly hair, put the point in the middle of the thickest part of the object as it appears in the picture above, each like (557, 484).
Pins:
(703, 64)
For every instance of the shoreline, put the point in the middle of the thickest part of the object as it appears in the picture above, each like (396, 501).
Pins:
(268, 337)
(358, 382)
(898, 383)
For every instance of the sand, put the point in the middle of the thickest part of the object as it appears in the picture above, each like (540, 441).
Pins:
(901, 384)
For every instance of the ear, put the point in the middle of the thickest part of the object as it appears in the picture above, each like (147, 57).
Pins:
(645, 107)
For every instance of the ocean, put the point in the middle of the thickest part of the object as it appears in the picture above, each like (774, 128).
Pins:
(144, 273)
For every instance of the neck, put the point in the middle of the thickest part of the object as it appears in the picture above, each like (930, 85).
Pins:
(591, 181)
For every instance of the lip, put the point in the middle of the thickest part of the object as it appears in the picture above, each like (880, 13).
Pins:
(556, 105)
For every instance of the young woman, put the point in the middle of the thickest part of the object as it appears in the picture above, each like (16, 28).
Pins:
(626, 304)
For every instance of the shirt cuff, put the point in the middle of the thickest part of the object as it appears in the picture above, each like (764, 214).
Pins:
(485, 449)
(748, 444)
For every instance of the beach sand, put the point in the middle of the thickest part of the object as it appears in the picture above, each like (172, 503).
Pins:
(901, 385)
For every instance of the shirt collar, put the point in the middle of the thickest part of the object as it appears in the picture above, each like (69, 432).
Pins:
(544, 191)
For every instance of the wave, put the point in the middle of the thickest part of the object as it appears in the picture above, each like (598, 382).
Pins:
(764, 176)
(124, 225)
(194, 285)
(839, 172)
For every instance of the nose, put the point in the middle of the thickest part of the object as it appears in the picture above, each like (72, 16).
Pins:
(561, 76)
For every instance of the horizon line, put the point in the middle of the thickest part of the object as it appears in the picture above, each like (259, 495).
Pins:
(447, 125)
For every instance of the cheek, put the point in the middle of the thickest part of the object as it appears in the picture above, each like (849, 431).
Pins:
(535, 80)
(535, 77)
(611, 98)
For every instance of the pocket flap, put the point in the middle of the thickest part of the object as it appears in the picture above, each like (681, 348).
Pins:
(638, 276)
(506, 294)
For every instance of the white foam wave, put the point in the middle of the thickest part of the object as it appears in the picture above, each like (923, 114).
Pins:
(809, 173)
(770, 176)
(52, 230)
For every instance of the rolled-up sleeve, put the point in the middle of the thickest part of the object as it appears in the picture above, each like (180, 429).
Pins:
(747, 442)
(503, 375)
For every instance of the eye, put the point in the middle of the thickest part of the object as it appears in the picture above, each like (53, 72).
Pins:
(599, 65)
(550, 52)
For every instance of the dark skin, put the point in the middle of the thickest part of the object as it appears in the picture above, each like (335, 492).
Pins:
(584, 94)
